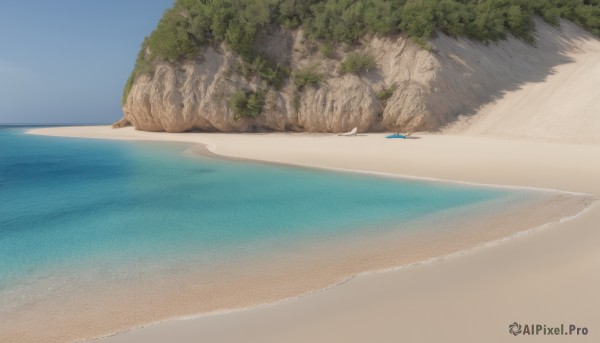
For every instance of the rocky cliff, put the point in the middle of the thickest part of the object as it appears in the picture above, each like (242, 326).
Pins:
(410, 88)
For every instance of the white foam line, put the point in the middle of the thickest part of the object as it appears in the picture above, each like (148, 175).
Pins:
(438, 180)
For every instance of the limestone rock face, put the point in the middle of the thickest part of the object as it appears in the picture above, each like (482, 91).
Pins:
(432, 87)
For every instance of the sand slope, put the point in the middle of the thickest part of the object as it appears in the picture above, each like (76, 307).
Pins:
(565, 107)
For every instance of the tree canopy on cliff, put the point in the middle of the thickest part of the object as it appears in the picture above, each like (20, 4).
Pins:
(190, 24)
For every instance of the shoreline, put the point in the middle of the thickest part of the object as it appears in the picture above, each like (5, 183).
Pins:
(367, 274)
(209, 150)
(210, 153)
(435, 259)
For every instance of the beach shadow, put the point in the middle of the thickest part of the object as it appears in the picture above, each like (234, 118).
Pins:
(494, 67)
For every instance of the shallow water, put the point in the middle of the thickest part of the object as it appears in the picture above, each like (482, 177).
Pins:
(78, 213)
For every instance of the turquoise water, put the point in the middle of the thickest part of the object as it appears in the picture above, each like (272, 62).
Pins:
(75, 203)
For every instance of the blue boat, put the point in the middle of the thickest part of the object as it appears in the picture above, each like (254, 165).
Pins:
(397, 135)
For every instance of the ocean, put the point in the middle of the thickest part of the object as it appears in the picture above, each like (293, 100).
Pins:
(87, 219)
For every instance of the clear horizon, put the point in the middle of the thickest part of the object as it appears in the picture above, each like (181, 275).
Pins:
(66, 62)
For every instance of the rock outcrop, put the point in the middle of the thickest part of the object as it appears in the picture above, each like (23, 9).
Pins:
(430, 87)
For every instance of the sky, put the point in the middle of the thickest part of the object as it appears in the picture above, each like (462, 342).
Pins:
(66, 61)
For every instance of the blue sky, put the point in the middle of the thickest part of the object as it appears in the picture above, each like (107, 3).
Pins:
(66, 61)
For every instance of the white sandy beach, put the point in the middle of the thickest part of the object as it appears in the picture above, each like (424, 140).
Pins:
(551, 276)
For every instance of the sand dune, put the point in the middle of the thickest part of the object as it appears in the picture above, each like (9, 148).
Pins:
(565, 107)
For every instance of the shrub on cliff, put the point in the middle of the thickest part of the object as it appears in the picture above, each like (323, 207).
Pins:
(247, 104)
(357, 63)
(385, 93)
(271, 72)
(307, 77)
